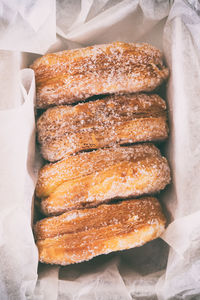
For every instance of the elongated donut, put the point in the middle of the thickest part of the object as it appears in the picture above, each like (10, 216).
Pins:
(72, 75)
(116, 119)
(143, 171)
(77, 236)
(78, 166)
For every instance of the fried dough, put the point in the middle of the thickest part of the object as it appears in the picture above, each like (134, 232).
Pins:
(76, 166)
(78, 236)
(120, 119)
(72, 75)
(140, 170)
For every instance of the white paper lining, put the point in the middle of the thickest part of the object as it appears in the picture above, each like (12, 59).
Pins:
(18, 259)
(136, 273)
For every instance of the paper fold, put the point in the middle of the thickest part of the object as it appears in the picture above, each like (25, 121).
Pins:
(27, 26)
(18, 261)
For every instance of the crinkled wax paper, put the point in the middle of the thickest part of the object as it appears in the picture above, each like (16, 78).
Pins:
(167, 268)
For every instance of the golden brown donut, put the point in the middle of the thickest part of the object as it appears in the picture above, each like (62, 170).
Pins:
(80, 235)
(120, 119)
(143, 171)
(78, 166)
(72, 75)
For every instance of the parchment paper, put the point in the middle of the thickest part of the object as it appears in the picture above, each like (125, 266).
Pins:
(142, 273)
(27, 25)
(18, 259)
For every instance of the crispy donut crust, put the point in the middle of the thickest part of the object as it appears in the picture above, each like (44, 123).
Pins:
(78, 236)
(78, 166)
(141, 170)
(116, 119)
(72, 75)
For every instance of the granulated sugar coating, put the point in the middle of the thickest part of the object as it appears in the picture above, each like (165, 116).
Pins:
(89, 194)
(69, 76)
(135, 174)
(129, 118)
(80, 235)
(83, 164)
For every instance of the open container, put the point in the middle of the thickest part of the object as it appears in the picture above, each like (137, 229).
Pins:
(155, 270)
